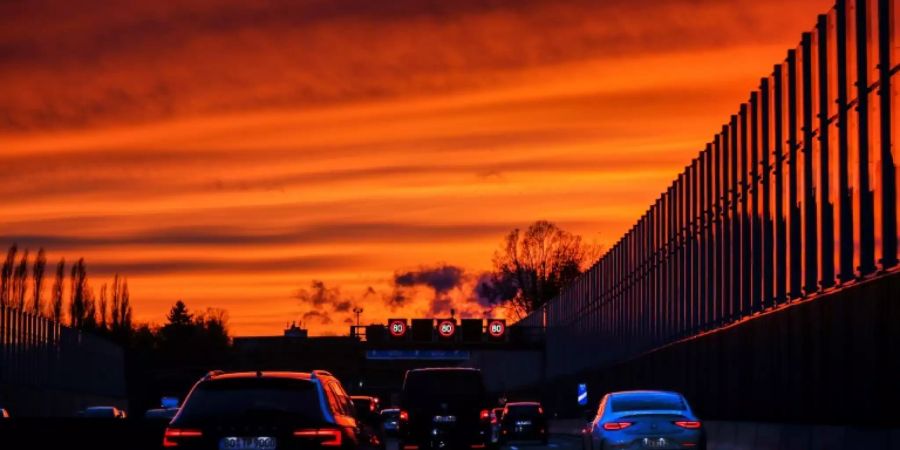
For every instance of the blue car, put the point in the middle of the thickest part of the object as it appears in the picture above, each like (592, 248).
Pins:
(644, 420)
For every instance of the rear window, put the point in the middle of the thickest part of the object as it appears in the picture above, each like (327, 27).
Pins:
(647, 402)
(253, 398)
(449, 383)
(523, 411)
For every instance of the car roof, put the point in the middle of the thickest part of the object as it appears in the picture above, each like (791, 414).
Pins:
(523, 404)
(262, 374)
(362, 397)
(645, 392)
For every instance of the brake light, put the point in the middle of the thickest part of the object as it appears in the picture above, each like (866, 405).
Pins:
(689, 424)
(485, 415)
(616, 426)
(325, 437)
(404, 416)
(540, 410)
(372, 406)
(172, 436)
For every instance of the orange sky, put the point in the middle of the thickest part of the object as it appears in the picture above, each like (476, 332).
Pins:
(230, 152)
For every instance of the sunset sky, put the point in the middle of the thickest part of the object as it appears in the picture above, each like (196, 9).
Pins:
(230, 152)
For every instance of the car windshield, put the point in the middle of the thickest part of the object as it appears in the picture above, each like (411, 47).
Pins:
(253, 398)
(446, 383)
(523, 411)
(647, 402)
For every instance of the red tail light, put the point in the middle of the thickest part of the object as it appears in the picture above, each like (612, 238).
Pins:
(173, 436)
(325, 437)
(689, 424)
(485, 415)
(404, 416)
(616, 426)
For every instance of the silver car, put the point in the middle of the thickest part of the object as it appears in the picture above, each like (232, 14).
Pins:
(644, 420)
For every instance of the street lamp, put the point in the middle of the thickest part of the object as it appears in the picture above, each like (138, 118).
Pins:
(357, 310)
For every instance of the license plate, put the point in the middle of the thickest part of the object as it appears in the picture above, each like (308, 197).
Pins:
(655, 442)
(444, 419)
(248, 443)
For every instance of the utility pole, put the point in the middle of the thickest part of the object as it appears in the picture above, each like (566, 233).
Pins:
(357, 310)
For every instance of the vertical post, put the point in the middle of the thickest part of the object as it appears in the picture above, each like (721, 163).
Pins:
(746, 257)
(734, 254)
(768, 268)
(810, 227)
(866, 197)
(778, 173)
(826, 220)
(845, 202)
(756, 275)
(888, 168)
(795, 237)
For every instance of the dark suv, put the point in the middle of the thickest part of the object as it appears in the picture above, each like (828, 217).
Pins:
(523, 421)
(445, 408)
(265, 411)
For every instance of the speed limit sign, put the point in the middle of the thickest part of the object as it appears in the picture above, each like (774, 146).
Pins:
(496, 328)
(446, 328)
(397, 327)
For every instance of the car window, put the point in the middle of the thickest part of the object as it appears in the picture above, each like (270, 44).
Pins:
(252, 397)
(342, 405)
(522, 411)
(647, 402)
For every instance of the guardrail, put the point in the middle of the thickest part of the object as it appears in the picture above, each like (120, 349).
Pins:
(796, 196)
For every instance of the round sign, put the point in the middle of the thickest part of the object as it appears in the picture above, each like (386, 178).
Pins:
(397, 328)
(446, 328)
(496, 328)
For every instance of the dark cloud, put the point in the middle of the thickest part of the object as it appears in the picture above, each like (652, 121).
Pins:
(441, 278)
(184, 265)
(316, 316)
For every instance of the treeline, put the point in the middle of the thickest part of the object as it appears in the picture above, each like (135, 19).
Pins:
(22, 287)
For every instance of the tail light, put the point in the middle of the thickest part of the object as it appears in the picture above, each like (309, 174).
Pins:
(616, 426)
(404, 416)
(689, 424)
(325, 437)
(485, 415)
(174, 436)
(494, 419)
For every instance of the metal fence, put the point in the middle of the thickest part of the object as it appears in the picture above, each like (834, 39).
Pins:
(41, 355)
(796, 196)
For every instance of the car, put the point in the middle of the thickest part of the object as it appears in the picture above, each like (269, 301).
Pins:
(390, 421)
(367, 414)
(163, 414)
(445, 408)
(523, 421)
(265, 411)
(644, 419)
(367, 407)
(103, 412)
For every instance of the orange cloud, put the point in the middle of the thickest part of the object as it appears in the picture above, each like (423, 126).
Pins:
(227, 153)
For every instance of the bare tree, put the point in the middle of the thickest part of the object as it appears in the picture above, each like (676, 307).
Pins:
(531, 267)
(114, 307)
(56, 297)
(78, 281)
(6, 275)
(20, 282)
(101, 306)
(37, 284)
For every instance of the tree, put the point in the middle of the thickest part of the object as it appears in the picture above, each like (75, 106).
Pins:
(56, 297)
(179, 316)
(6, 275)
(102, 308)
(77, 307)
(20, 282)
(120, 309)
(531, 267)
(37, 284)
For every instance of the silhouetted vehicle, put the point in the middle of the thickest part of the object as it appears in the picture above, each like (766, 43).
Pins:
(367, 413)
(166, 414)
(445, 408)
(103, 412)
(4, 414)
(366, 407)
(265, 411)
(523, 421)
(644, 419)
(390, 422)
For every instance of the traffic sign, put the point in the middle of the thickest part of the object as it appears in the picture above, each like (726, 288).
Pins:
(496, 328)
(446, 328)
(397, 328)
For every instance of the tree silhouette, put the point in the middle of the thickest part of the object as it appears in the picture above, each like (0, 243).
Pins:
(179, 316)
(6, 275)
(20, 282)
(77, 307)
(37, 277)
(532, 266)
(56, 298)
(102, 308)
